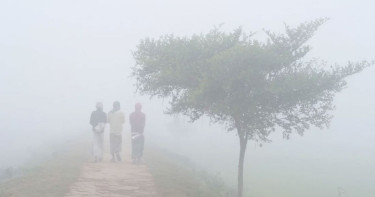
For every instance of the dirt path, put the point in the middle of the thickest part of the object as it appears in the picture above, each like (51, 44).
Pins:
(107, 179)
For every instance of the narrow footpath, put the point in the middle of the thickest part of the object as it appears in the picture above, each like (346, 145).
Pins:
(108, 179)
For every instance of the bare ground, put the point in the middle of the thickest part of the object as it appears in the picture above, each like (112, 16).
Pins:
(108, 179)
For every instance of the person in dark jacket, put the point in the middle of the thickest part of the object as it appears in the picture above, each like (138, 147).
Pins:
(137, 124)
(98, 119)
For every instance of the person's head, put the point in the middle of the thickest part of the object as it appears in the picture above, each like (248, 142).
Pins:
(138, 107)
(99, 106)
(116, 106)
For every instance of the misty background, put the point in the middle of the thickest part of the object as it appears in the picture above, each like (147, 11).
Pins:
(58, 58)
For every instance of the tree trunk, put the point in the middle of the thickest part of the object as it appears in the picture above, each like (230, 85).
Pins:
(243, 141)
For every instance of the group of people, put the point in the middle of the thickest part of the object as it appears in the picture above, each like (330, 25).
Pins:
(116, 120)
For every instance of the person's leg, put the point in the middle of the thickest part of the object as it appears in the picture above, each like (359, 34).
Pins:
(101, 146)
(118, 156)
(119, 147)
(141, 146)
(95, 147)
(112, 146)
(133, 149)
(138, 149)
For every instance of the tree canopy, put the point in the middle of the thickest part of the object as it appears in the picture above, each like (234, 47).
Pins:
(242, 82)
(252, 86)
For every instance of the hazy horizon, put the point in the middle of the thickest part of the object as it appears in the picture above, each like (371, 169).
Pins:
(58, 58)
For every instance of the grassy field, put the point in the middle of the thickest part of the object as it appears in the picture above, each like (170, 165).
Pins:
(51, 178)
(175, 176)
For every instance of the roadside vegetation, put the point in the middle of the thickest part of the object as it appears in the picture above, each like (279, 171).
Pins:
(176, 176)
(50, 178)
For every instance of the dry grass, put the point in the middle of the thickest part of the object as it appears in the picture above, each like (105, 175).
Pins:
(175, 176)
(52, 178)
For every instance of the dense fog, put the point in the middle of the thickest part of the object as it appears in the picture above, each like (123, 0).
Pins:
(58, 58)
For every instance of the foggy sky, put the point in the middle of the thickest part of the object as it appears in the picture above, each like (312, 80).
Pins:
(57, 58)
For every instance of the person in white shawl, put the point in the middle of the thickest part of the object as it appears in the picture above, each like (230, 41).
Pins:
(116, 119)
(97, 120)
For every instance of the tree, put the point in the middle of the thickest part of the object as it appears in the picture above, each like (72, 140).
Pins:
(250, 86)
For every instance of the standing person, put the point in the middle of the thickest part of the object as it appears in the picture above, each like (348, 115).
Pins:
(137, 124)
(97, 120)
(116, 119)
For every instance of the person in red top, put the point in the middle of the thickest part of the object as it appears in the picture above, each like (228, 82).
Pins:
(137, 121)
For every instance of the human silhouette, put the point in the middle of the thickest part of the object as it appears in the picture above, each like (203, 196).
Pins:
(116, 119)
(137, 121)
